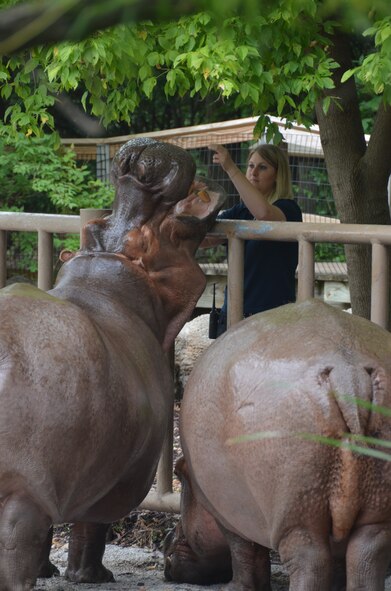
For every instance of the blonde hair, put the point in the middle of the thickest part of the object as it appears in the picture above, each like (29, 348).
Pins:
(278, 159)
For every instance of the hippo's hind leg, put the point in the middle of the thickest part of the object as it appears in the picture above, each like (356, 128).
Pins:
(367, 557)
(306, 555)
(23, 532)
(86, 549)
(250, 564)
(46, 568)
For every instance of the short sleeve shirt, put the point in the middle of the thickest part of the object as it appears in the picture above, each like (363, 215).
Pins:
(269, 266)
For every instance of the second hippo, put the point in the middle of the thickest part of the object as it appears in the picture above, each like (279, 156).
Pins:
(285, 437)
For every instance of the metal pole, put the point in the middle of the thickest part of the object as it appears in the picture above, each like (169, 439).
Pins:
(235, 280)
(165, 466)
(380, 282)
(3, 258)
(306, 271)
(45, 260)
(164, 469)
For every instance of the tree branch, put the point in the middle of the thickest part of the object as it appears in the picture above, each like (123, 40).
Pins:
(77, 118)
(29, 24)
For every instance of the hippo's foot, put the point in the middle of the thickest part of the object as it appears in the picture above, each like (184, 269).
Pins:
(48, 570)
(92, 574)
(86, 548)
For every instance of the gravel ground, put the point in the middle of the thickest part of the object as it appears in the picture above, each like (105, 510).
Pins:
(140, 569)
(133, 568)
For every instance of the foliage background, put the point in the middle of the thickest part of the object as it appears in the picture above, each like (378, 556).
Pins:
(303, 60)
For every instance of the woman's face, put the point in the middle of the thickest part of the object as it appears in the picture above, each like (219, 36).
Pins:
(261, 174)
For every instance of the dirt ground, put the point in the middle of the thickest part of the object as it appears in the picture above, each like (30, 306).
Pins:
(134, 568)
(140, 569)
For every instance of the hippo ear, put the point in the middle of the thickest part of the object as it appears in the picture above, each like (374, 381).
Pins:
(66, 255)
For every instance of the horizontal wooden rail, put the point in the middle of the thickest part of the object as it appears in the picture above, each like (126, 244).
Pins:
(34, 222)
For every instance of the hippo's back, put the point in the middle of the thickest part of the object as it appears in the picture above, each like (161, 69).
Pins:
(258, 404)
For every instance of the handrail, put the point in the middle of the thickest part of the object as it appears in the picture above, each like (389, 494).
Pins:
(45, 224)
(34, 222)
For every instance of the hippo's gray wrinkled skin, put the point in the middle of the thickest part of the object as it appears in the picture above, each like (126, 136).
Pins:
(293, 379)
(85, 385)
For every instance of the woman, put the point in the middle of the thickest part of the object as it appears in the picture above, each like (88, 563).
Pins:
(266, 194)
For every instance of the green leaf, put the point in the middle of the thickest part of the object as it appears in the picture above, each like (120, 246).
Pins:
(280, 105)
(195, 60)
(6, 91)
(148, 86)
(243, 52)
(144, 72)
(154, 58)
(327, 83)
(244, 90)
(53, 70)
(326, 104)
(346, 75)
(31, 65)
(84, 100)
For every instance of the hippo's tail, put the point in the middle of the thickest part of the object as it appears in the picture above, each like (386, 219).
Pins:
(358, 390)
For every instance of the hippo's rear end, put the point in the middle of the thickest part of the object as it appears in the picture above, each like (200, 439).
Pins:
(62, 399)
(271, 419)
(40, 410)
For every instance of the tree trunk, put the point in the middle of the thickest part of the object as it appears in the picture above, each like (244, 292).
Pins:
(358, 173)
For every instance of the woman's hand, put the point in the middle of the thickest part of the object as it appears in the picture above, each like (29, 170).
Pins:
(222, 156)
(256, 202)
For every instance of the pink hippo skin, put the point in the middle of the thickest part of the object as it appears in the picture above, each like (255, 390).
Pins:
(195, 551)
(250, 408)
(85, 383)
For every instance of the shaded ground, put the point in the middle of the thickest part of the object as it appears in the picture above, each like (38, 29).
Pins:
(141, 569)
(134, 568)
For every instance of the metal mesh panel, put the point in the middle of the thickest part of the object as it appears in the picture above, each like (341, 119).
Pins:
(309, 175)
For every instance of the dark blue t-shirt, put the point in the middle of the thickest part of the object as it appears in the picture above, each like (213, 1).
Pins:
(269, 266)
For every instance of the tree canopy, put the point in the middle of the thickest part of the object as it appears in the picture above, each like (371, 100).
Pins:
(276, 62)
(303, 60)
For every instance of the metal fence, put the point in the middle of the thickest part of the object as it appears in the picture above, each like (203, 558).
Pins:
(307, 234)
(309, 177)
